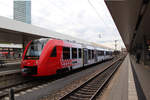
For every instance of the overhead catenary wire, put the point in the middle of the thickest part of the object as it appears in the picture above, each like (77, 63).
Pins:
(101, 18)
(98, 14)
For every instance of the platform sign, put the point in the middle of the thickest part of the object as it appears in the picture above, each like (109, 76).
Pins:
(148, 42)
(149, 47)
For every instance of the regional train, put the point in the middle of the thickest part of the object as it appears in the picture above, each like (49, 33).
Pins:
(47, 56)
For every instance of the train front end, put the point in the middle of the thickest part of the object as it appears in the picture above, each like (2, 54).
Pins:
(31, 56)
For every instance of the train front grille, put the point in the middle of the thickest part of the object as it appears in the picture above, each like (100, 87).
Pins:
(31, 70)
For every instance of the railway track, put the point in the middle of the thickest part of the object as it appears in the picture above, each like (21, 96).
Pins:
(13, 79)
(30, 83)
(21, 84)
(9, 78)
(24, 83)
(92, 87)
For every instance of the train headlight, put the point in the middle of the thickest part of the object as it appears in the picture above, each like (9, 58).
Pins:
(23, 62)
(36, 62)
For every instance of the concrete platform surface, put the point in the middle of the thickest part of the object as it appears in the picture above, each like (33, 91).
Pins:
(122, 86)
(142, 79)
(131, 82)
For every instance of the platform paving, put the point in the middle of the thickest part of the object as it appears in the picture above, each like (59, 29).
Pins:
(122, 86)
(131, 82)
(142, 79)
(132, 91)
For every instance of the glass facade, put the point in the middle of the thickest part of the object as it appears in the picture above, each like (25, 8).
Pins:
(22, 11)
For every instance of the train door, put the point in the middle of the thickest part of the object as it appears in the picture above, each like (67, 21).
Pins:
(53, 62)
(85, 57)
(105, 55)
(95, 55)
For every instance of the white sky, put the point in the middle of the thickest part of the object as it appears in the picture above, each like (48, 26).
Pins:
(73, 17)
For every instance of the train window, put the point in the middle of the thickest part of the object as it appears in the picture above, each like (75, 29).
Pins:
(107, 53)
(79, 53)
(89, 54)
(100, 53)
(74, 53)
(66, 53)
(110, 52)
(92, 54)
(54, 53)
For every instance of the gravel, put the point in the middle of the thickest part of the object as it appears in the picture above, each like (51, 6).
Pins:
(56, 95)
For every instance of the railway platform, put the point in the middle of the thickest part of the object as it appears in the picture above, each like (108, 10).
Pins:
(131, 82)
(6, 65)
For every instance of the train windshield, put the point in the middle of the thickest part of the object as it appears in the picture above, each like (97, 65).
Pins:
(35, 48)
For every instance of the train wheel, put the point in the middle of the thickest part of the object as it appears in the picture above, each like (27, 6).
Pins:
(59, 72)
(70, 68)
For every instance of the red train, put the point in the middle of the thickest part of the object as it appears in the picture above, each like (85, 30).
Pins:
(46, 56)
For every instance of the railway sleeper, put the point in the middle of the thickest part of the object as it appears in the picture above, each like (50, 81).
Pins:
(86, 92)
(97, 83)
(81, 95)
(90, 88)
(94, 84)
(76, 98)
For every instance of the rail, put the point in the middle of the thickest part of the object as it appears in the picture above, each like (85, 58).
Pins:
(91, 88)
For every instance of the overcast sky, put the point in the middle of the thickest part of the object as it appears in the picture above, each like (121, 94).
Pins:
(88, 20)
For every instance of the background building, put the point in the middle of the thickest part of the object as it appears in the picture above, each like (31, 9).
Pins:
(22, 11)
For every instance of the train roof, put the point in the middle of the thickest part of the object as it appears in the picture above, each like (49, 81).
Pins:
(88, 45)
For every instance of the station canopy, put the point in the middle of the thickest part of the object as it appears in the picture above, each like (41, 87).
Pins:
(132, 18)
(12, 31)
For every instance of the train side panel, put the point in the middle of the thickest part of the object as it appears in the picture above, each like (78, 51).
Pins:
(49, 61)
(58, 55)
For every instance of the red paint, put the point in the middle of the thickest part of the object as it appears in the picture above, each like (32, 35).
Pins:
(47, 65)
